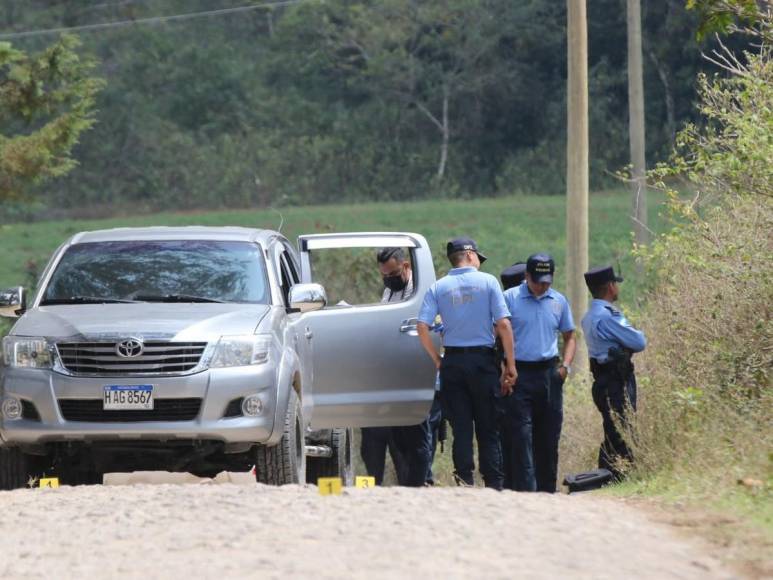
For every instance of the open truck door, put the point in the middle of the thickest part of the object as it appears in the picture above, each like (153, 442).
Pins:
(369, 368)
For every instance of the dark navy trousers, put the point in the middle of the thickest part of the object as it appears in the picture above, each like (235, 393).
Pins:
(470, 387)
(534, 416)
(415, 445)
(373, 449)
(412, 449)
(615, 398)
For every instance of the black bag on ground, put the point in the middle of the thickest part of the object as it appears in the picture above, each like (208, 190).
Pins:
(588, 480)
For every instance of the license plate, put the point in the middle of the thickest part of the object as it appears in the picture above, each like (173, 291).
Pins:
(128, 398)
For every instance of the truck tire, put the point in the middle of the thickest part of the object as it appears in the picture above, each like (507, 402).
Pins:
(340, 464)
(14, 468)
(284, 462)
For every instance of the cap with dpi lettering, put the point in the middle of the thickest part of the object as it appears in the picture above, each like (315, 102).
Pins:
(462, 245)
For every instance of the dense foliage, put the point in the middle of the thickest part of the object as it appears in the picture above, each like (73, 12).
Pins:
(705, 417)
(349, 100)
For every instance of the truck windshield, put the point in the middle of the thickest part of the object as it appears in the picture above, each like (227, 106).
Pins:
(159, 271)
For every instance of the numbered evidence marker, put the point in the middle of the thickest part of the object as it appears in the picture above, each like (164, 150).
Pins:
(52, 482)
(363, 481)
(329, 485)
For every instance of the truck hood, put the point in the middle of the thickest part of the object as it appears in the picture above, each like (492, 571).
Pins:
(160, 321)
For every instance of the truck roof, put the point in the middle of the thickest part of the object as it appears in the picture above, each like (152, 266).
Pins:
(224, 233)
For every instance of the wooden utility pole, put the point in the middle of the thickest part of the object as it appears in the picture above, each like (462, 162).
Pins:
(577, 165)
(636, 124)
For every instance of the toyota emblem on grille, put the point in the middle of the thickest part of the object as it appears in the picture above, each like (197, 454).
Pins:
(129, 348)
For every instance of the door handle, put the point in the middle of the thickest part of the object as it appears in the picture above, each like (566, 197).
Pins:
(308, 334)
(409, 325)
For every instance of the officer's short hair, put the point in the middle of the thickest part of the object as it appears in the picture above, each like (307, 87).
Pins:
(457, 258)
(386, 254)
(599, 290)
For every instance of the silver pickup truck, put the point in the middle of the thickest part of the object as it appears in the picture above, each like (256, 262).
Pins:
(202, 349)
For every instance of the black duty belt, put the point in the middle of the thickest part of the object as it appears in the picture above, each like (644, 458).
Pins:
(468, 349)
(622, 369)
(536, 364)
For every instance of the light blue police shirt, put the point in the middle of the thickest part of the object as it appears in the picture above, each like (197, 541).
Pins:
(604, 326)
(537, 322)
(467, 301)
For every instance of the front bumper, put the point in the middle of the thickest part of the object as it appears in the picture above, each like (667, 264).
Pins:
(215, 387)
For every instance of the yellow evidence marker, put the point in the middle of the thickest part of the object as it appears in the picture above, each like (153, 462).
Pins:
(364, 481)
(52, 482)
(329, 485)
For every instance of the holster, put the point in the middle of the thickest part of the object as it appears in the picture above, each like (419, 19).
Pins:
(619, 365)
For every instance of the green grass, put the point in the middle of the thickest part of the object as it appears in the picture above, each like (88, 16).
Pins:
(507, 229)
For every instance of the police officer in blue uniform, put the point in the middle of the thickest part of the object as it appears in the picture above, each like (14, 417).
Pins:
(511, 277)
(611, 343)
(468, 301)
(535, 411)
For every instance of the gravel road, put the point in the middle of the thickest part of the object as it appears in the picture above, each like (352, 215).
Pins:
(234, 530)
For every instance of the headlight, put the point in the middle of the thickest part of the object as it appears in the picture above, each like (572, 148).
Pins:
(27, 352)
(242, 351)
(12, 409)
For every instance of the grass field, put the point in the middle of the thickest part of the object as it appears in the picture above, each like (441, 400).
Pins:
(507, 229)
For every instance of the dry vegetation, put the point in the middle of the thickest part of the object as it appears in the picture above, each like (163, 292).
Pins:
(704, 430)
(706, 396)
(706, 399)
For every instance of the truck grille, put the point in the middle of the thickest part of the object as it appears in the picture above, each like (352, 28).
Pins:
(100, 358)
(90, 411)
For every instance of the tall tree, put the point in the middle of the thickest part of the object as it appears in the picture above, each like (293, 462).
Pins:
(577, 161)
(46, 102)
(636, 123)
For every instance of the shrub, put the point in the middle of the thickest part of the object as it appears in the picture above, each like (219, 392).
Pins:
(705, 401)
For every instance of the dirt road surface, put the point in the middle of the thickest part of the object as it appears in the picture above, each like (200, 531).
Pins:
(234, 530)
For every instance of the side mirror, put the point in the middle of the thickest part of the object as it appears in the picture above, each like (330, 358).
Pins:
(13, 302)
(307, 297)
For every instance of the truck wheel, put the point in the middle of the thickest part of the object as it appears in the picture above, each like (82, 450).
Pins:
(284, 462)
(14, 468)
(340, 464)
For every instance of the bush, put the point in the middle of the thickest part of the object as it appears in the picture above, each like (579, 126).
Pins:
(706, 396)
(704, 417)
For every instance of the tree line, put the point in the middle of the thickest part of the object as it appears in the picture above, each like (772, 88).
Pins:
(345, 100)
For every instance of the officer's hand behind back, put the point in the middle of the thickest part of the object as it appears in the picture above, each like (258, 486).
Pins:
(508, 379)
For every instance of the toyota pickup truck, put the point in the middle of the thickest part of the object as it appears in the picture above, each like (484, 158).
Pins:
(203, 349)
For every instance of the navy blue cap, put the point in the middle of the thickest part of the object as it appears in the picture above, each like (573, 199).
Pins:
(541, 267)
(513, 275)
(598, 276)
(462, 245)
